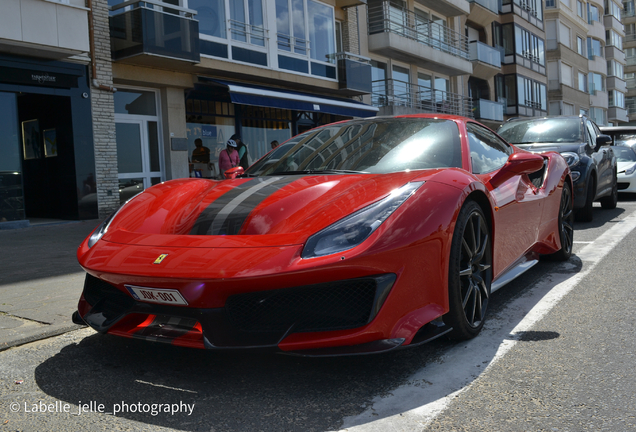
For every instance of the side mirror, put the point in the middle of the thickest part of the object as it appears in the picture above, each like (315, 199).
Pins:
(517, 164)
(602, 140)
(233, 173)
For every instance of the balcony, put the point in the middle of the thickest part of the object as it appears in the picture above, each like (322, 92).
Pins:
(483, 12)
(489, 110)
(610, 22)
(611, 52)
(400, 34)
(354, 74)
(486, 60)
(44, 29)
(152, 32)
(615, 83)
(617, 114)
(398, 97)
(598, 98)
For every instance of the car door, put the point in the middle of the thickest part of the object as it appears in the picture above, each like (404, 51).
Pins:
(518, 207)
(603, 159)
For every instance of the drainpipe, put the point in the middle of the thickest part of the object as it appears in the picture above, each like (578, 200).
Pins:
(91, 41)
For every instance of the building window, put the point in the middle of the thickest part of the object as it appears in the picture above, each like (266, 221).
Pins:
(592, 14)
(529, 46)
(596, 82)
(613, 39)
(549, 3)
(564, 35)
(580, 8)
(594, 48)
(580, 46)
(378, 84)
(615, 69)
(628, 8)
(616, 99)
(566, 74)
(630, 104)
(612, 9)
(582, 82)
(531, 93)
(566, 3)
(599, 116)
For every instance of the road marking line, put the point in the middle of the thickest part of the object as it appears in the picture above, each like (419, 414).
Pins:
(431, 389)
(164, 386)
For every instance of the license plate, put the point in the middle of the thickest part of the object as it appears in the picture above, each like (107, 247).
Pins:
(156, 295)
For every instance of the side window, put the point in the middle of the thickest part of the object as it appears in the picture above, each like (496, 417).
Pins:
(487, 151)
(591, 134)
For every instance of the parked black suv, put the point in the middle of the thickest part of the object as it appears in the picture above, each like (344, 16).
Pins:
(586, 150)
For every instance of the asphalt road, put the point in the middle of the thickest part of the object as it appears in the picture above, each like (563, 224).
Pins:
(556, 354)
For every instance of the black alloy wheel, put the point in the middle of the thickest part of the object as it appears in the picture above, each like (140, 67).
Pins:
(566, 225)
(470, 273)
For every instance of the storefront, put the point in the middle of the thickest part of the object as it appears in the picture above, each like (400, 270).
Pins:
(47, 161)
(217, 109)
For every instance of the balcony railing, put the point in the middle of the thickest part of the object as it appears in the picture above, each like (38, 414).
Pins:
(630, 83)
(484, 53)
(491, 5)
(393, 19)
(489, 110)
(400, 93)
(155, 28)
(630, 37)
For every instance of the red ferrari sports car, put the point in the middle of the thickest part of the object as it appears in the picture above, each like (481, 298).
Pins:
(356, 237)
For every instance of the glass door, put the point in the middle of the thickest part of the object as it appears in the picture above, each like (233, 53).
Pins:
(137, 156)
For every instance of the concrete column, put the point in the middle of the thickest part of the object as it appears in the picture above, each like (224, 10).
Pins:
(173, 113)
(103, 113)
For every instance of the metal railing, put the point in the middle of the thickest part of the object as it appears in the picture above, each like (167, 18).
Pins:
(630, 83)
(484, 53)
(248, 33)
(344, 55)
(630, 37)
(292, 44)
(390, 18)
(399, 93)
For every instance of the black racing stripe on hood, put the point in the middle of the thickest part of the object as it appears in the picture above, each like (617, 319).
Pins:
(226, 215)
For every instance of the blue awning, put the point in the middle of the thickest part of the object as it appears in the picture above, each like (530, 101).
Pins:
(247, 94)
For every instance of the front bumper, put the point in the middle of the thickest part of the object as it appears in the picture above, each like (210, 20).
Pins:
(255, 320)
(626, 183)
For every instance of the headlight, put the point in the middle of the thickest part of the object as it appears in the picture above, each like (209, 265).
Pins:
(630, 170)
(354, 229)
(571, 158)
(101, 229)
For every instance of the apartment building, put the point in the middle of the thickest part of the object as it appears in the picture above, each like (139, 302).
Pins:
(208, 69)
(629, 23)
(586, 60)
(47, 158)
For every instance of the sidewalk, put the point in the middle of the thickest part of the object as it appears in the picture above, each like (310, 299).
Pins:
(40, 280)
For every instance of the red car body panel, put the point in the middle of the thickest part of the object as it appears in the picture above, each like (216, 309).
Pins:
(413, 243)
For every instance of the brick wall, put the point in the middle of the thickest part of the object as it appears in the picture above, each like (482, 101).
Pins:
(103, 110)
(350, 39)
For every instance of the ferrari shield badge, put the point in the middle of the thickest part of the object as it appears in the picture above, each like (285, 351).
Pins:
(160, 258)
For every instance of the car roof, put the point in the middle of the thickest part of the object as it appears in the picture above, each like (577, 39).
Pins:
(617, 128)
(580, 116)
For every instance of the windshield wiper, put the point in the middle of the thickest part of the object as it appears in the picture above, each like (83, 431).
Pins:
(329, 171)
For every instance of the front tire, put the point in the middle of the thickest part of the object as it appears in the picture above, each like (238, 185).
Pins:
(566, 225)
(470, 273)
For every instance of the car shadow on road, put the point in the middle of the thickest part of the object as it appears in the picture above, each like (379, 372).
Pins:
(240, 391)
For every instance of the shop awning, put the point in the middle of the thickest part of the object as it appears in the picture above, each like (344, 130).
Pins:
(247, 94)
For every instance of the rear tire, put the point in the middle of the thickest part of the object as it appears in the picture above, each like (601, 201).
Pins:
(566, 225)
(586, 214)
(609, 202)
(470, 273)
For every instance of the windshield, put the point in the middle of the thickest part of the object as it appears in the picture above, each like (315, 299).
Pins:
(379, 145)
(625, 139)
(624, 154)
(549, 130)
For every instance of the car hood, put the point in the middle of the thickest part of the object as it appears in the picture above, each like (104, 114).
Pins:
(556, 147)
(261, 211)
